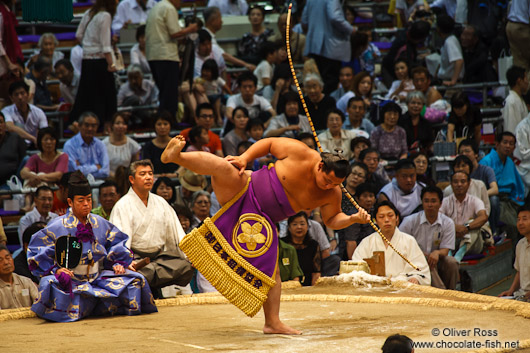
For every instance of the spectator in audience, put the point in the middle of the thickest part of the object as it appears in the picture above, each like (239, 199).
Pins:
(387, 218)
(477, 67)
(17, 74)
(521, 282)
(204, 116)
(345, 83)
(356, 111)
(97, 88)
(522, 151)
(184, 215)
(476, 187)
(404, 191)
(357, 145)
(10, 50)
(60, 202)
(307, 248)
(131, 12)
(49, 165)
(451, 68)
(282, 82)
(12, 152)
(405, 46)
(452, 8)
(21, 117)
(85, 152)
(327, 39)
(398, 344)
(405, 9)
(250, 46)
(422, 82)
(46, 48)
(15, 291)
(318, 103)
(435, 234)
(230, 7)
(296, 40)
(198, 139)
(76, 57)
(290, 123)
(200, 207)
(40, 213)
(469, 215)
(288, 262)
(515, 108)
(213, 22)
(137, 54)
(255, 129)
(154, 230)
(205, 50)
(264, 71)
(137, 91)
(334, 137)
(403, 85)
(121, 149)
(351, 237)
(68, 78)
(153, 149)
(517, 32)
(364, 50)
(258, 107)
(469, 148)
(162, 33)
(376, 172)
(465, 120)
(62, 288)
(21, 260)
(421, 161)
(362, 87)
(190, 182)
(238, 134)
(164, 188)
(389, 138)
(108, 196)
(420, 134)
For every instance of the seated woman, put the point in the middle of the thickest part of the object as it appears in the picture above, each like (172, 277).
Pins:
(250, 45)
(122, 150)
(335, 137)
(307, 249)
(164, 188)
(238, 134)
(48, 165)
(154, 148)
(138, 51)
(362, 87)
(281, 83)
(403, 83)
(318, 104)
(465, 119)
(421, 161)
(200, 207)
(389, 138)
(420, 135)
(46, 47)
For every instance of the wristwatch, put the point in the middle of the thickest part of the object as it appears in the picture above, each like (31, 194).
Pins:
(468, 228)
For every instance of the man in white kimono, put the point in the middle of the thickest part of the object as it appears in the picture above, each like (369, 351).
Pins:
(154, 229)
(387, 217)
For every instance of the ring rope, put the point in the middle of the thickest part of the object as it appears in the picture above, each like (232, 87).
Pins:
(304, 105)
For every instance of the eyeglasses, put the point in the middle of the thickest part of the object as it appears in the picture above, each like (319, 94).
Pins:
(206, 116)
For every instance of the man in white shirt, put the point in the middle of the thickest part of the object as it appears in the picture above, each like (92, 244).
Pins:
(40, 213)
(515, 109)
(435, 234)
(452, 59)
(15, 291)
(469, 215)
(153, 228)
(387, 218)
(205, 50)
(64, 70)
(23, 118)
(131, 12)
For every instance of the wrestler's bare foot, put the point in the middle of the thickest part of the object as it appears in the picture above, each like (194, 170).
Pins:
(173, 149)
(280, 328)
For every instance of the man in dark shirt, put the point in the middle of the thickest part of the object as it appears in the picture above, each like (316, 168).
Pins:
(477, 67)
(38, 74)
(12, 151)
(21, 260)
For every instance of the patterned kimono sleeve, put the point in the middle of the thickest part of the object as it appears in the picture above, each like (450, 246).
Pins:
(117, 251)
(41, 252)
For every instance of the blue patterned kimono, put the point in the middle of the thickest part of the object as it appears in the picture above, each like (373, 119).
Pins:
(96, 290)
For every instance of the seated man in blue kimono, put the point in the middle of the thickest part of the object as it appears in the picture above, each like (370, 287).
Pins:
(103, 282)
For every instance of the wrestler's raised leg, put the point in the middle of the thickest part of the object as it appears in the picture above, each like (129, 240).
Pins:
(226, 180)
(271, 308)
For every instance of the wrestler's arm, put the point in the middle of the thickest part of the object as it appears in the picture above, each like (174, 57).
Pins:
(333, 216)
